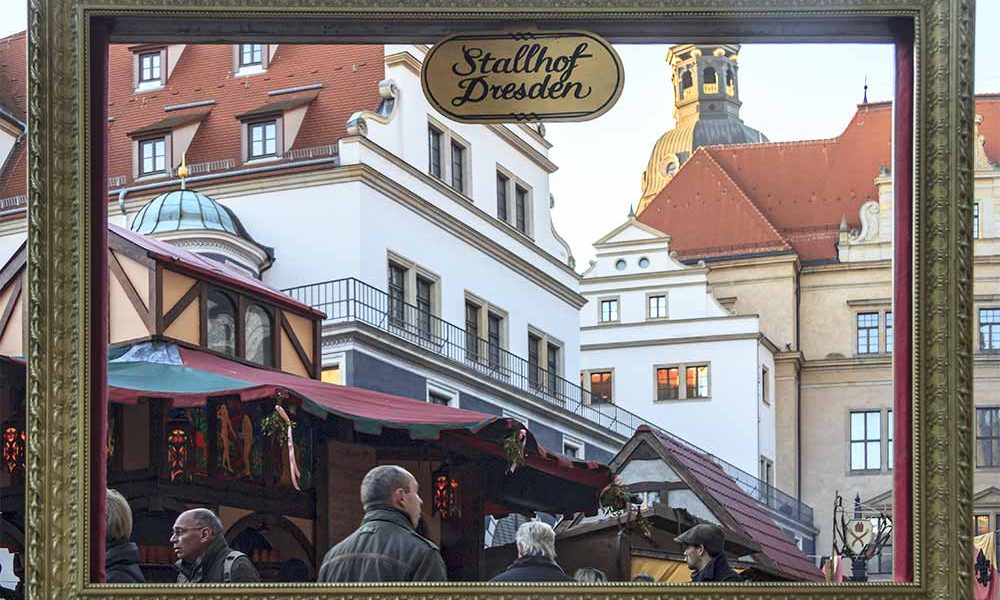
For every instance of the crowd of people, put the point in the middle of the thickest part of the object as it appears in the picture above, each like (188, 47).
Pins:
(385, 548)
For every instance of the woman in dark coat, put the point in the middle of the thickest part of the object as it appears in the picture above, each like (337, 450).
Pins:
(121, 557)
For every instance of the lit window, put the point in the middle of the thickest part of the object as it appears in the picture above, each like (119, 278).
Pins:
(868, 333)
(259, 346)
(600, 386)
(609, 310)
(263, 139)
(866, 440)
(149, 67)
(989, 329)
(331, 375)
(982, 524)
(657, 307)
(668, 383)
(221, 323)
(152, 157)
(697, 381)
(988, 437)
(434, 152)
(251, 55)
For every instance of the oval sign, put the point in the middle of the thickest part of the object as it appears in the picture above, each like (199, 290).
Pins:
(522, 76)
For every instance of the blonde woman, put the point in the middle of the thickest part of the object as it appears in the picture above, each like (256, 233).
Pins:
(121, 556)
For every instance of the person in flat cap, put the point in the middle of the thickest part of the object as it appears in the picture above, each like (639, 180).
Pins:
(703, 552)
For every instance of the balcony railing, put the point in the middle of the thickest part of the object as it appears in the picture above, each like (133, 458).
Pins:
(352, 300)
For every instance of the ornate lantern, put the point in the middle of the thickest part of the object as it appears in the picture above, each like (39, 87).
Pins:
(180, 439)
(446, 488)
(13, 439)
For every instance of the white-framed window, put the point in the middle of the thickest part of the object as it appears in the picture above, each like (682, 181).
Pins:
(438, 393)
(152, 157)
(601, 384)
(262, 137)
(866, 440)
(572, 448)
(888, 331)
(545, 362)
(889, 435)
(514, 202)
(413, 301)
(989, 329)
(607, 310)
(975, 220)
(867, 329)
(150, 68)
(251, 55)
(687, 381)
(449, 158)
(486, 333)
(333, 368)
(656, 305)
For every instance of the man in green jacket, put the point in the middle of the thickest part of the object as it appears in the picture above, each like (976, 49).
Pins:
(386, 547)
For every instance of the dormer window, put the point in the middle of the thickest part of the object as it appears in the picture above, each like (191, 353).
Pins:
(263, 139)
(251, 59)
(251, 55)
(149, 67)
(152, 157)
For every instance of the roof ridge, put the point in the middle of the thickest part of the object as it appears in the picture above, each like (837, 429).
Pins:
(745, 196)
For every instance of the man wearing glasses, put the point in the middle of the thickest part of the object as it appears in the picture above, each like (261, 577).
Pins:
(204, 556)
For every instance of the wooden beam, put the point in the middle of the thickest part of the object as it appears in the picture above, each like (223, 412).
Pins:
(181, 304)
(8, 310)
(287, 328)
(133, 295)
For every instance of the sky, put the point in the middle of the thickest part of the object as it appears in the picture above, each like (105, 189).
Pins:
(789, 92)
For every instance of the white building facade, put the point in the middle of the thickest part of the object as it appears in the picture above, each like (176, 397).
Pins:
(657, 343)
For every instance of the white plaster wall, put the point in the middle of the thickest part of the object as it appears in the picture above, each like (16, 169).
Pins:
(406, 136)
(6, 143)
(9, 244)
(315, 231)
(724, 425)
(463, 268)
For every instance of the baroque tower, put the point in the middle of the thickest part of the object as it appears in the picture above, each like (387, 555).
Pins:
(706, 111)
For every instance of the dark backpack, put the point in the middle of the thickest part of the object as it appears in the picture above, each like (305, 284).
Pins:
(227, 567)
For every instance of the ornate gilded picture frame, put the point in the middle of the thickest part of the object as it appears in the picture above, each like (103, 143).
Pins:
(68, 41)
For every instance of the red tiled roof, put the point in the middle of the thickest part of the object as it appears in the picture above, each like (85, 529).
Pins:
(802, 189)
(349, 76)
(775, 545)
(14, 74)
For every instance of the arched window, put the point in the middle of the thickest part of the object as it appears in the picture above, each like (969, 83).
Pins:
(221, 323)
(686, 82)
(730, 82)
(257, 328)
(710, 75)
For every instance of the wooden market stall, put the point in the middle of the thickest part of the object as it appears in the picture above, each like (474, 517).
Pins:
(202, 356)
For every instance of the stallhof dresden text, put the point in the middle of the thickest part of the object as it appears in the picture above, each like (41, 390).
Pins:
(529, 59)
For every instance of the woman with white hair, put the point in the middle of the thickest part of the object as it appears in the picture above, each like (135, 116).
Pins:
(121, 556)
(536, 556)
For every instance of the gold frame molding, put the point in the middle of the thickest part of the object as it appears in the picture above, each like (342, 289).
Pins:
(60, 248)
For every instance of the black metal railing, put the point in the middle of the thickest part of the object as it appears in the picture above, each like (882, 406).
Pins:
(349, 299)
